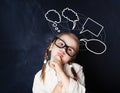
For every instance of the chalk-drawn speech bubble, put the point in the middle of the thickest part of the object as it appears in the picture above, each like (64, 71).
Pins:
(92, 27)
(54, 17)
(95, 46)
(70, 15)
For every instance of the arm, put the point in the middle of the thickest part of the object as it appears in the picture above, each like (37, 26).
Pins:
(72, 86)
(69, 84)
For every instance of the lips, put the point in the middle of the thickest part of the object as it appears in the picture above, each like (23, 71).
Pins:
(60, 54)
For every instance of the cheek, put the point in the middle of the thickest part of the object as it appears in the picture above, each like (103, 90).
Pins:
(54, 51)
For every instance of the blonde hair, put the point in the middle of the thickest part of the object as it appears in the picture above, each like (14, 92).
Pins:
(47, 52)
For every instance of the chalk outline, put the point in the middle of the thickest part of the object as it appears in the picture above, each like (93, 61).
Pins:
(85, 40)
(54, 22)
(74, 22)
(82, 31)
(87, 30)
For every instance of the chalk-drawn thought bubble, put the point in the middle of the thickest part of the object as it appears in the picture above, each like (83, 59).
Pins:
(70, 15)
(92, 27)
(54, 17)
(95, 46)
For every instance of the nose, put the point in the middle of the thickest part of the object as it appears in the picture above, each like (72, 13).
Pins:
(63, 50)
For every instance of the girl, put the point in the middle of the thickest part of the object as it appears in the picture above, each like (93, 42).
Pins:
(59, 74)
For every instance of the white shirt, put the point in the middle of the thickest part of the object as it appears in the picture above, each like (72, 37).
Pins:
(51, 79)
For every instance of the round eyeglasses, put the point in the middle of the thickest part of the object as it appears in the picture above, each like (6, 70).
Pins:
(61, 44)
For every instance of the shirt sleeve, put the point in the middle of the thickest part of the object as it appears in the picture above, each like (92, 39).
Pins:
(79, 85)
(37, 85)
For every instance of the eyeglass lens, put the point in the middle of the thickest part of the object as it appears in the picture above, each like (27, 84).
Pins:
(61, 44)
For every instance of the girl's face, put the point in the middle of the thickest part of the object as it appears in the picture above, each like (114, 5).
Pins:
(64, 47)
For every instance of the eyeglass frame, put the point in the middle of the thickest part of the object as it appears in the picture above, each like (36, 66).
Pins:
(65, 45)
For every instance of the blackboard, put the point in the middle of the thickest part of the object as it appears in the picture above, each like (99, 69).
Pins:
(25, 34)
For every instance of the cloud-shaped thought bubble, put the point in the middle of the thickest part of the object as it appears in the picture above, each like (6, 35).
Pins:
(70, 15)
(54, 17)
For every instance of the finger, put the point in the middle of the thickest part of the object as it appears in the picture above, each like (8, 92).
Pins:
(61, 59)
(53, 64)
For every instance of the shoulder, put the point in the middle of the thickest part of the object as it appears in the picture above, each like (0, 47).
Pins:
(77, 67)
(37, 75)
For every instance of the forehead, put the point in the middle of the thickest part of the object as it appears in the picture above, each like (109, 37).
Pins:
(70, 41)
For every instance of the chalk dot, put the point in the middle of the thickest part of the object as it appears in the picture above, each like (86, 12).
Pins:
(58, 31)
(56, 28)
(54, 25)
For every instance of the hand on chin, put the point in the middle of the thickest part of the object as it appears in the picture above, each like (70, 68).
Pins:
(56, 63)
